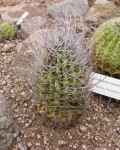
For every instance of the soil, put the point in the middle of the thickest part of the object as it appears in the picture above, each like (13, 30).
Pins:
(98, 128)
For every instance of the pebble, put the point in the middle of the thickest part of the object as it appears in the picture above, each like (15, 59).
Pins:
(75, 146)
(26, 125)
(25, 104)
(70, 136)
(38, 136)
(83, 128)
(118, 121)
(6, 48)
(29, 144)
(90, 126)
(23, 93)
(22, 145)
(70, 145)
(62, 143)
(3, 83)
(25, 135)
(37, 144)
(84, 147)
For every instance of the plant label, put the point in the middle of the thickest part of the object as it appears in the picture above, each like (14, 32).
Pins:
(22, 18)
(105, 85)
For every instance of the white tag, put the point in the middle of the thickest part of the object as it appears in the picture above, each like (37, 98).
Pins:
(22, 18)
(106, 86)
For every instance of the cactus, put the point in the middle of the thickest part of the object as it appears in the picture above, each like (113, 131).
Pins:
(7, 31)
(60, 65)
(106, 46)
(63, 83)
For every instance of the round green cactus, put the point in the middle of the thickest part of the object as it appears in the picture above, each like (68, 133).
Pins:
(106, 46)
(7, 31)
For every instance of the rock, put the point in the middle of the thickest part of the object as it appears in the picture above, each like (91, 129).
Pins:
(75, 146)
(26, 50)
(8, 128)
(22, 145)
(29, 144)
(118, 120)
(62, 143)
(10, 2)
(91, 2)
(13, 13)
(69, 8)
(83, 128)
(31, 25)
(116, 2)
(8, 47)
(101, 2)
(101, 12)
(84, 147)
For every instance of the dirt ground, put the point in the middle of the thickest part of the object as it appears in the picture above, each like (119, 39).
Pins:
(97, 129)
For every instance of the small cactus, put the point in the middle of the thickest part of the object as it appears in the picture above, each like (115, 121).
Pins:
(7, 31)
(106, 46)
(63, 83)
(61, 66)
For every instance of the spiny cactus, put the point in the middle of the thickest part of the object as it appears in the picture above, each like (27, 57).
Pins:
(60, 62)
(7, 31)
(63, 79)
(106, 46)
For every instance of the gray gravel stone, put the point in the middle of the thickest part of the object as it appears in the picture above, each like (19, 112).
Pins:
(31, 25)
(8, 128)
(22, 145)
(62, 143)
(83, 128)
(70, 8)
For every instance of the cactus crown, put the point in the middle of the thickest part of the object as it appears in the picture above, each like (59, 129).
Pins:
(7, 31)
(106, 46)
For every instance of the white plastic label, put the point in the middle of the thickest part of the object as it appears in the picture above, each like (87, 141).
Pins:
(22, 18)
(105, 85)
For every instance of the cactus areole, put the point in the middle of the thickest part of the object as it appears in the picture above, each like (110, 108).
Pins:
(106, 46)
(63, 79)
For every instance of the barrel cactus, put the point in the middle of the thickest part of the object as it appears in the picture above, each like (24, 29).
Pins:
(59, 60)
(7, 31)
(106, 46)
(63, 76)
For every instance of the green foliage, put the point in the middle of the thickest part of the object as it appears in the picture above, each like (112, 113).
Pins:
(7, 31)
(106, 46)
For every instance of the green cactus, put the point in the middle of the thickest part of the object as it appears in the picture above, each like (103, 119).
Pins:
(62, 80)
(59, 83)
(7, 31)
(60, 69)
(106, 46)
